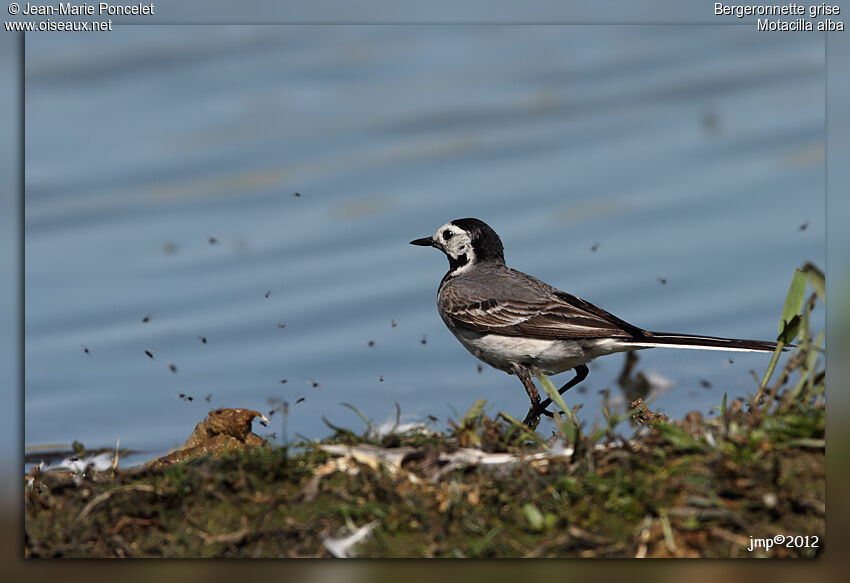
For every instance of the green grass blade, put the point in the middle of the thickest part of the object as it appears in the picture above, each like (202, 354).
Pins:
(533, 516)
(570, 428)
(474, 412)
(553, 393)
(770, 368)
(817, 279)
(790, 330)
(680, 438)
(789, 324)
(794, 299)
(369, 426)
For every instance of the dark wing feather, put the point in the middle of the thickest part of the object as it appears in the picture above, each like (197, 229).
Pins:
(556, 315)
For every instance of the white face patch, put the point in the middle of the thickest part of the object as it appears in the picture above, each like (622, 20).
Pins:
(457, 245)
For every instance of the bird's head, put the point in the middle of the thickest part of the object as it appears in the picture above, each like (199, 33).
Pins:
(466, 242)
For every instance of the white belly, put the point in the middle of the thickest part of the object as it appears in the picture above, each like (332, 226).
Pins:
(548, 357)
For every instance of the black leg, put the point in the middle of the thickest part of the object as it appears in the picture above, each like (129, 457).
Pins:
(581, 374)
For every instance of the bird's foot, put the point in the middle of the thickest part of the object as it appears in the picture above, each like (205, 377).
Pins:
(532, 420)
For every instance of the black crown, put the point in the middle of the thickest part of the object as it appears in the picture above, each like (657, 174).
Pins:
(485, 242)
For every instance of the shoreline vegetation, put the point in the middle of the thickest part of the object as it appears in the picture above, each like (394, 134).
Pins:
(748, 482)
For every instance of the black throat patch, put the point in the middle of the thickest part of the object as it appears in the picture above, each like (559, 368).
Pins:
(454, 265)
(458, 262)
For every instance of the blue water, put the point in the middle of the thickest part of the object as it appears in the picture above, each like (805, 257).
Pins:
(690, 154)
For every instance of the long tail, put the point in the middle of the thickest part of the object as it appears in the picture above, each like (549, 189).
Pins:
(666, 340)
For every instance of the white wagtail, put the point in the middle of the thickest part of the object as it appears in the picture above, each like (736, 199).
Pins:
(523, 326)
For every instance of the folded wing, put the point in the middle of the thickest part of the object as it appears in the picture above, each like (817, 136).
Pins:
(557, 315)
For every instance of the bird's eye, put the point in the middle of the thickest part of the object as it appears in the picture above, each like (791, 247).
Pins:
(447, 234)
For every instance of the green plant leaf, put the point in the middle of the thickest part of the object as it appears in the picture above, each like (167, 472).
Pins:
(816, 278)
(553, 394)
(789, 330)
(680, 438)
(524, 431)
(770, 367)
(794, 299)
(369, 427)
(569, 430)
(533, 516)
(474, 412)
